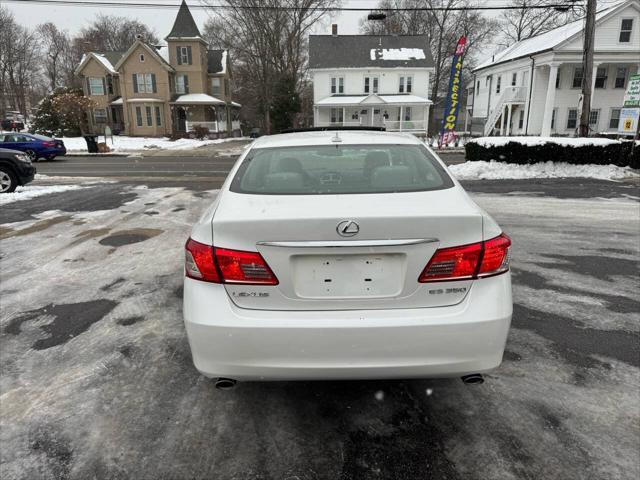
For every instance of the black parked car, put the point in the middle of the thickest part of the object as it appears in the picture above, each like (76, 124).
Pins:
(15, 169)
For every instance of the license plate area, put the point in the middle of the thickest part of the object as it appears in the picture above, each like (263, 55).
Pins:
(348, 276)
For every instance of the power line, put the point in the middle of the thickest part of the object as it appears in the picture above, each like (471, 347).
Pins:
(115, 4)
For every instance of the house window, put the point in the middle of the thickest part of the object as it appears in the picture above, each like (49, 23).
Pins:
(96, 86)
(554, 114)
(149, 116)
(407, 114)
(478, 87)
(139, 116)
(621, 77)
(577, 78)
(371, 84)
(601, 77)
(626, 27)
(498, 82)
(182, 84)
(572, 119)
(521, 120)
(142, 57)
(487, 80)
(406, 85)
(524, 80)
(558, 79)
(594, 116)
(144, 83)
(100, 115)
(336, 115)
(110, 84)
(184, 55)
(337, 85)
(514, 79)
(215, 86)
(614, 120)
(158, 117)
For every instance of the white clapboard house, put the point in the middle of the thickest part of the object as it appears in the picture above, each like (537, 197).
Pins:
(534, 86)
(371, 80)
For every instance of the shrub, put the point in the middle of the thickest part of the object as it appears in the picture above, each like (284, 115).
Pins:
(516, 152)
(200, 132)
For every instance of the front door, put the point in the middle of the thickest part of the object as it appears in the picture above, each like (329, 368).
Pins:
(182, 119)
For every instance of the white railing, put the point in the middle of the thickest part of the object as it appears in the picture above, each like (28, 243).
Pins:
(509, 95)
(405, 126)
(212, 126)
(355, 123)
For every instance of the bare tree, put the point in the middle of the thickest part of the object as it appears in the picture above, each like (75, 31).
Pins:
(55, 45)
(267, 42)
(112, 33)
(526, 22)
(443, 27)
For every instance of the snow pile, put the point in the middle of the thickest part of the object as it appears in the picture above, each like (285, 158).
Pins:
(533, 141)
(397, 54)
(499, 170)
(28, 192)
(134, 144)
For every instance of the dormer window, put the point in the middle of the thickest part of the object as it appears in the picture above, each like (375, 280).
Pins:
(142, 57)
(626, 27)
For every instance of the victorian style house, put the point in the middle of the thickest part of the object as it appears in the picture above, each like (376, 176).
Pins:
(158, 90)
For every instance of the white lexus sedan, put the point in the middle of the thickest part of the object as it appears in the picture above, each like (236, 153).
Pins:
(345, 255)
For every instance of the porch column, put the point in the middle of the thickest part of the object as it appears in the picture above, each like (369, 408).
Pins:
(509, 106)
(371, 117)
(344, 115)
(550, 101)
(401, 115)
(502, 121)
(425, 119)
(315, 116)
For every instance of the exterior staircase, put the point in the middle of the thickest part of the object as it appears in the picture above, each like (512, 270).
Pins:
(513, 95)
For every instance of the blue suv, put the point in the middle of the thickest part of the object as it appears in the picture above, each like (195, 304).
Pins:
(34, 146)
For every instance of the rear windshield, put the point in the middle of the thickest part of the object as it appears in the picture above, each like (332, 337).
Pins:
(334, 169)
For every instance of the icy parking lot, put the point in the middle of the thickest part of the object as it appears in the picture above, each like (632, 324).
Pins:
(97, 381)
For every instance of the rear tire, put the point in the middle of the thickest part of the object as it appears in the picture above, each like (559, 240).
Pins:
(8, 180)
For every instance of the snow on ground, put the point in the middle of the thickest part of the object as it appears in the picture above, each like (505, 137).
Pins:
(531, 141)
(493, 170)
(31, 191)
(132, 144)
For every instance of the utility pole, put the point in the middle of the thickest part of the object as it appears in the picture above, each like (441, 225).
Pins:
(587, 67)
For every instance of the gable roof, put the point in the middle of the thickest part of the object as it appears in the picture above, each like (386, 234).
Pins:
(107, 59)
(361, 51)
(184, 26)
(548, 40)
(152, 50)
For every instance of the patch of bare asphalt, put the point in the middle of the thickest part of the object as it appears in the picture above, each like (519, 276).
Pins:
(36, 227)
(127, 237)
(69, 320)
(130, 320)
(598, 266)
(95, 197)
(576, 343)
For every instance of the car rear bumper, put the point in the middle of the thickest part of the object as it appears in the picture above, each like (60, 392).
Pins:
(243, 344)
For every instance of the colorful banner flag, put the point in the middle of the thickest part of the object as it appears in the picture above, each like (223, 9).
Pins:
(452, 105)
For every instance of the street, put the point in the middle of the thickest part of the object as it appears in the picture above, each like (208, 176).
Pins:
(97, 379)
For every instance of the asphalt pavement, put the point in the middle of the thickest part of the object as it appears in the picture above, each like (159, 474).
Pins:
(96, 379)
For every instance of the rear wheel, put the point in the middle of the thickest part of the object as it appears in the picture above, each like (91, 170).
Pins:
(8, 180)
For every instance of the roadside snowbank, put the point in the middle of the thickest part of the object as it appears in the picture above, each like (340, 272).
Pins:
(500, 170)
(134, 144)
(531, 141)
(28, 192)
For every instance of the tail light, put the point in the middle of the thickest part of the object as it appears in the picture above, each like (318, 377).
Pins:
(221, 265)
(481, 259)
(49, 144)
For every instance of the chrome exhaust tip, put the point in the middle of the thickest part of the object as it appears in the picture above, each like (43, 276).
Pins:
(473, 379)
(225, 383)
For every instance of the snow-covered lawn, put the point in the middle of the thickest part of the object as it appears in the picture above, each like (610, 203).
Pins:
(30, 191)
(493, 170)
(135, 144)
(532, 141)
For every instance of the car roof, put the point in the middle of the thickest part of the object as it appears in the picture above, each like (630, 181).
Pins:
(355, 137)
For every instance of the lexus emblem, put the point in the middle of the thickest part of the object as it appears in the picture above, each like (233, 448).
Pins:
(347, 228)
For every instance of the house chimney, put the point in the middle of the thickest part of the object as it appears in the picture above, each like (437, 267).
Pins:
(334, 29)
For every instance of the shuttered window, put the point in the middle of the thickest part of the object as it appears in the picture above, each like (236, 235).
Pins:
(95, 85)
(183, 55)
(139, 116)
(144, 83)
